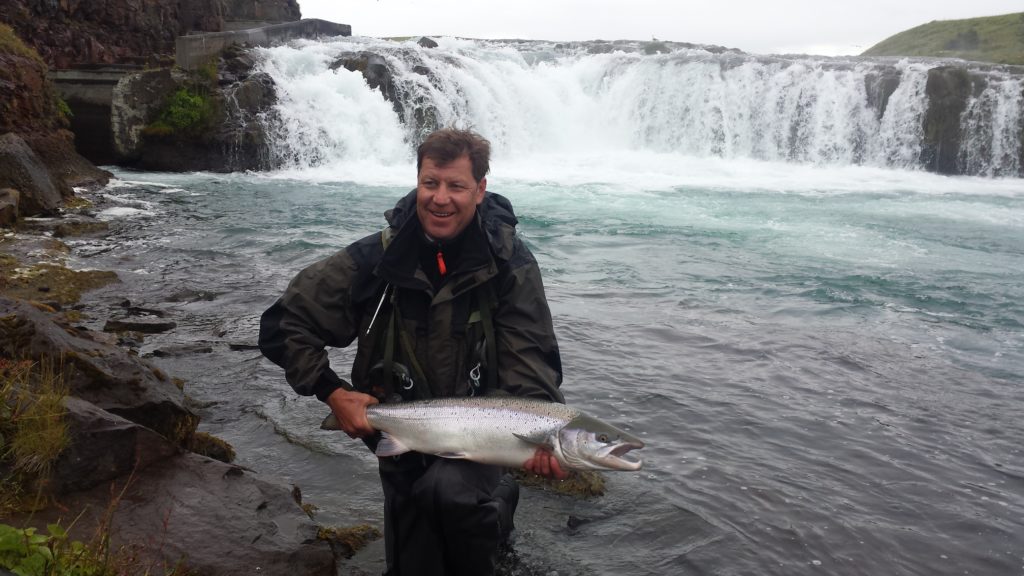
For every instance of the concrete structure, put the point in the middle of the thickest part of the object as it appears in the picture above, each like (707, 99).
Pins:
(193, 51)
(88, 93)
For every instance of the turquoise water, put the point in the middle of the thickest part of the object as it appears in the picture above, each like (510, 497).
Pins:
(826, 363)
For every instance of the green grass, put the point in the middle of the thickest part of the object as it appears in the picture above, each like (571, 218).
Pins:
(11, 44)
(33, 430)
(997, 39)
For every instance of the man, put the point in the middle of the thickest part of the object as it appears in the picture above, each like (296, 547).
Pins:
(446, 301)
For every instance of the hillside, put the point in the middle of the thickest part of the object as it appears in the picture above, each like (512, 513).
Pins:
(998, 39)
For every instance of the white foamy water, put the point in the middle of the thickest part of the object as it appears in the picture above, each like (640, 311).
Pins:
(538, 99)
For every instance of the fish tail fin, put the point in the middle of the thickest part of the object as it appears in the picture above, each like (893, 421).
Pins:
(390, 446)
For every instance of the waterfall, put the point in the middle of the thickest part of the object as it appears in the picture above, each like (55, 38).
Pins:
(543, 98)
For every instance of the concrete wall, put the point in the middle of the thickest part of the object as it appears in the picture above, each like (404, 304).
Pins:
(195, 50)
(88, 93)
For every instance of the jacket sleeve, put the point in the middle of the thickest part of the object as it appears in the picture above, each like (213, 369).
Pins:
(529, 363)
(314, 312)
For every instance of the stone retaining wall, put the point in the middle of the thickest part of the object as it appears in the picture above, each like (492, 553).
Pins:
(193, 51)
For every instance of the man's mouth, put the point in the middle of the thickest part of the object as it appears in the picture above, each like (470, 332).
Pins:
(442, 214)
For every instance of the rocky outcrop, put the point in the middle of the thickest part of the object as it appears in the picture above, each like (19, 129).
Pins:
(879, 87)
(211, 517)
(104, 446)
(375, 70)
(98, 372)
(227, 128)
(947, 89)
(262, 11)
(126, 469)
(37, 155)
(22, 170)
(77, 32)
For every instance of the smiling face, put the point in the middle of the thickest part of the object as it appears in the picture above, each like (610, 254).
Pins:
(447, 196)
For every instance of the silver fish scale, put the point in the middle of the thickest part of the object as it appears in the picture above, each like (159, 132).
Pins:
(482, 429)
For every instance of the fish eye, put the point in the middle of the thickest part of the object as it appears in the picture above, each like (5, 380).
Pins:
(603, 438)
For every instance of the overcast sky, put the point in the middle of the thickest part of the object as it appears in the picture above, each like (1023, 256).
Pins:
(783, 26)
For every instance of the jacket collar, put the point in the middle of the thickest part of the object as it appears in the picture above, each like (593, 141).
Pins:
(494, 224)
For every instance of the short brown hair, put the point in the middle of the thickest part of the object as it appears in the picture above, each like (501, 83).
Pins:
(448, 144)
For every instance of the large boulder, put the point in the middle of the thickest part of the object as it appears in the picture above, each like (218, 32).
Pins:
(221, 519)
(23, 170)
(103, 446)
(97, 371)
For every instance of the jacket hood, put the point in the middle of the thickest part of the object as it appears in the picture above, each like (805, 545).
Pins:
(494, 215)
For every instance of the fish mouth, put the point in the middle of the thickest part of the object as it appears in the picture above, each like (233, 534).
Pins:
(621, 456)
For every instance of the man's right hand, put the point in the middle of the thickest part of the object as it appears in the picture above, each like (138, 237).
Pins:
(349, 408)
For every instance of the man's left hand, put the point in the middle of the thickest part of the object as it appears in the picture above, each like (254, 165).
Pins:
(545, 464)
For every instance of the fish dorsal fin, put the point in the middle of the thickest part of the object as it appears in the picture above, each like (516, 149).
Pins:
(390, 446)
(539, 440)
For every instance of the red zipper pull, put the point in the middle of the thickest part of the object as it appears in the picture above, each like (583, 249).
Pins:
(441, 267)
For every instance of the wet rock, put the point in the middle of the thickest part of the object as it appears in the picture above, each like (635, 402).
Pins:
(105, 375)
(374, 69)
(9, 207)
(947, 89)
(212, 517)
(104, 446)
(135, 103)
(81, 227)
(23, 170)
(879, 87)
(182, 350)
(427, 42)
(142, 326)
(238, 346)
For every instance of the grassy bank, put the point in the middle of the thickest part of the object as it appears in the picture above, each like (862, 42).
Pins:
(997, 39)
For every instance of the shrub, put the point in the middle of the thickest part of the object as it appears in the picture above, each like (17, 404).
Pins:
(188, 112)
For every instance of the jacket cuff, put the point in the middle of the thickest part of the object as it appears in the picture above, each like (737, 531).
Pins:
(327, 384)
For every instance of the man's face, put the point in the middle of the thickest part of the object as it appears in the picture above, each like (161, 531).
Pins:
(447, 197)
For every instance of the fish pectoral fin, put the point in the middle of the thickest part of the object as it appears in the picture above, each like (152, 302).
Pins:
(453, 455)
(390, 446)
(538, 441)
(330, 423)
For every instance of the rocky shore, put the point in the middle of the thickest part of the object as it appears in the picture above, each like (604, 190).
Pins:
(93, 437)
(132, 465)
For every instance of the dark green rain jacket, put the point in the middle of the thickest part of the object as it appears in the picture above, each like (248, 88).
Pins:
(332, 302)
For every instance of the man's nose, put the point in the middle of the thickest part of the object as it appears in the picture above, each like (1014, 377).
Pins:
(442, 195)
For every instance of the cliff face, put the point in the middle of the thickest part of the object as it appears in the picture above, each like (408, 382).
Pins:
(37, 154)
(76, 32)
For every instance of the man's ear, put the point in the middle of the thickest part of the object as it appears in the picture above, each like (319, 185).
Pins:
(481, 190)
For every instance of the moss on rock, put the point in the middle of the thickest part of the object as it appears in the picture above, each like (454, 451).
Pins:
(209, 445)
(349, 540)
(580, 483)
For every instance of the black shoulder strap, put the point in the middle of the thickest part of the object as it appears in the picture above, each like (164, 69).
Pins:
(487, 301)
